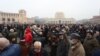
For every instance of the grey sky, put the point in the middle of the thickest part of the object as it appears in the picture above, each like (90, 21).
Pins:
(78, 9)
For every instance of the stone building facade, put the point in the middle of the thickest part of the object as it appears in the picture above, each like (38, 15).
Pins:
(8, 18)
(60, 19)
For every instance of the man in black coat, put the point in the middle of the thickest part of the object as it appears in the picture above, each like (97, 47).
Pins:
(63, 46)
(5, 32)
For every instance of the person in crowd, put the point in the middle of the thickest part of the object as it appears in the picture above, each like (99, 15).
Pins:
(96, 52)
(45, 33)
(67, 29)
(24, 49)
(34, 31)
(34, 28)
(27, 42)
(38, 34)
(76, 48)
(82, 32)
(5, 32)
(90, 43)
(63, 45)
(28, 37)
(7, 49)
(37, 50)
(13, 36)
(1, 27)
(20, 29)
(97, 36)
(53, 45)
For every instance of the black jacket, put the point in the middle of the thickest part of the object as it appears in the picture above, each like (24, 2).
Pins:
(32, 53)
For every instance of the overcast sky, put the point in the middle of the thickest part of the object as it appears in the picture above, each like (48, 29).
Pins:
(78, 9)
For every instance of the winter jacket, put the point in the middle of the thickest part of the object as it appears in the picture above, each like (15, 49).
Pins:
(13, 37)
(96, 52)
(12, 50)
(42, 53)
(28, 36)
(62, 48)
(90, 45)
(76, 50)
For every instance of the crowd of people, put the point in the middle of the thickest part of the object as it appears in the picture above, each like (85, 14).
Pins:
(50, 40)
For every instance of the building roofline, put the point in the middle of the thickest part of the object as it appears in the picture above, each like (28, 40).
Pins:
(8, 12)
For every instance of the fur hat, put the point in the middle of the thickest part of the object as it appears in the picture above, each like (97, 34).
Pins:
(75, 36)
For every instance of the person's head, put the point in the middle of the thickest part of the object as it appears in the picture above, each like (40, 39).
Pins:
(34, 27)
(63, 30)
(5, 27)
(4, 43)
(27, 30)
(11, 30)
(37, 46)
(74, 38)
(61, 35)
(97, 33)
(57, 28)
(89, 34)
(80, 27)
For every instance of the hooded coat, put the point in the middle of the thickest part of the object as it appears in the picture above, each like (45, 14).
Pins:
(28, 36)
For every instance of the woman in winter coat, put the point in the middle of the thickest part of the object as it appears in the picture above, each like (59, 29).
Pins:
(28, 36)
